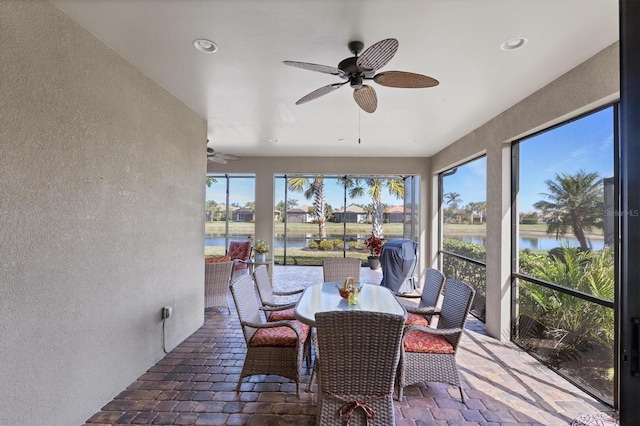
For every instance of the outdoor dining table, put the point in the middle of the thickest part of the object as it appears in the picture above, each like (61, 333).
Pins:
(325, 297)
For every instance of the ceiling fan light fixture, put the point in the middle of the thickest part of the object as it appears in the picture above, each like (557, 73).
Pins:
(514, 43)
(204, 45)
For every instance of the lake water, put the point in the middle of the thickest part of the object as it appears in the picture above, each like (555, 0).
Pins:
(533, 243)
(293, 241)
(303, 240)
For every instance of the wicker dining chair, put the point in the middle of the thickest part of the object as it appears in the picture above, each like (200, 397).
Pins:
(359, 353)
(339, 269)
(276, 347)
(273, 311)
(429, 354)
(216, 284)
(427, 307)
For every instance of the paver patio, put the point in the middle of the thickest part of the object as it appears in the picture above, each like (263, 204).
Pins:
(195, 383)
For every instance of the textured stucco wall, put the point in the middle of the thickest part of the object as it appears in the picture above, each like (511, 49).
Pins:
(593, 83)
(101, 218)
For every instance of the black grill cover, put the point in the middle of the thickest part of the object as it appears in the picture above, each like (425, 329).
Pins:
(399, 259)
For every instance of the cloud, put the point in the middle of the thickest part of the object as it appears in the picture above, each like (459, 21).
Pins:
(580, 152)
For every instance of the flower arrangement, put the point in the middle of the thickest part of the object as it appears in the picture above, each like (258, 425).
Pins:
(374, 244)
(261, 247)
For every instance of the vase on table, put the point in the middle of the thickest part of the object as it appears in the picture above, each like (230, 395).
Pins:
(261, 257)
(374, 262)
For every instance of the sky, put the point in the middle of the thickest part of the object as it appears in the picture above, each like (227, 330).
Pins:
(586, 143)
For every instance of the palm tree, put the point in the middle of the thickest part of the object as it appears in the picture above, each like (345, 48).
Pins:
(313, 188)
(573, 200)
(453, 200)
(211, 207)
(210, 181)
(374, 187)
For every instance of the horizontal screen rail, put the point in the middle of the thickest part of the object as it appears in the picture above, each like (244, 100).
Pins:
(467, 259)
(576, 293)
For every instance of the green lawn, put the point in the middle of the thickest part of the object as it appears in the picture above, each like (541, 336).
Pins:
(390, 229)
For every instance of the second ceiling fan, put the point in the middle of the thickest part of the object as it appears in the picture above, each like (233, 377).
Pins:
(360, 68)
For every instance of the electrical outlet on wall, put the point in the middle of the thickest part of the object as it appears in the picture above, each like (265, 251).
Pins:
(166, 312)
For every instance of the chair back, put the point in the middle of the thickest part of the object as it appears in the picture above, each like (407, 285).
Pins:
(456, 304)
(263, 282)
(244, 297)
(339, 269)
(358, 355)
(216, 283)
(433, 283)
(239, 250)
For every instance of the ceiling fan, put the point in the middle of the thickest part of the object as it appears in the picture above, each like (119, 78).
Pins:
(219, 157)
(360, 68)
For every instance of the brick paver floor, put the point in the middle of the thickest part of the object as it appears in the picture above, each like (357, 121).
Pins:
(195, 383)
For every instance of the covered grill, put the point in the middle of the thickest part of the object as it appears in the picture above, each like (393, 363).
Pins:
(399, 259)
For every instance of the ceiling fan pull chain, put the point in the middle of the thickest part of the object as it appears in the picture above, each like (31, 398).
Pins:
(359, 114)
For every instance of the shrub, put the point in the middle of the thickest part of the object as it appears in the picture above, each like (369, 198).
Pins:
(573, 321)
(313, 245)
(325, 245)
(353, 245)
(338, 244)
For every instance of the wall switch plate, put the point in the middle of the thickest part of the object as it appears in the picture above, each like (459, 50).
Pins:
(166, 312)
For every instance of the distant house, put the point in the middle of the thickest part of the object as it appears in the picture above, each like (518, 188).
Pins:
(395, 214)
(298, 214)
(220, 213)
(352, 214)
(243, 214)
(276, 215)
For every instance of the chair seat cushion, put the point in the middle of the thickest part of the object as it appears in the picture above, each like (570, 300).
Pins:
(286, 314)
(278, 336)
(422, 342)
(217, 259)
(416, 319)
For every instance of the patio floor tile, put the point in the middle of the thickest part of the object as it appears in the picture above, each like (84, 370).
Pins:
(195, 383)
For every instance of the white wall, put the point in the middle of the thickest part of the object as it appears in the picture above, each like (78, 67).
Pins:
(593, 83)
(101, 218)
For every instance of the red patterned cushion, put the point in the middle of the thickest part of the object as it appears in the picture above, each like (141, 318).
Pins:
(286, 314)
(416, 319)
(278, 336)
(239, 250)
(217, 259)
(419, 341)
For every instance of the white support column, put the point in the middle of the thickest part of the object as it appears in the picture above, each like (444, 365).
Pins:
(498, 302)
(264, 224)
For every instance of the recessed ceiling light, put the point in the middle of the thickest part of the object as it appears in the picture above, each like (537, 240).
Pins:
(204, 45)
(514, 43)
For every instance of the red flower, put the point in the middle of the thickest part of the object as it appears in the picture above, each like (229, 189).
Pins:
(374, 244)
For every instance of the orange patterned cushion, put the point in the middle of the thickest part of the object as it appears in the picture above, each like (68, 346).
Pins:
(419, 341)
(416, 319)
(278, 336)
(286, 314)
(217, 259)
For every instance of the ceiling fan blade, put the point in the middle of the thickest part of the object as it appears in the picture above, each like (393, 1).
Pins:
(377, 55)
(366, 98)
(218, 160)
(320, 92)
(404, 80)
(227, 156)
(315, 67)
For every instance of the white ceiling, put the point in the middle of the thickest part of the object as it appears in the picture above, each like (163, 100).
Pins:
(248, 96)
